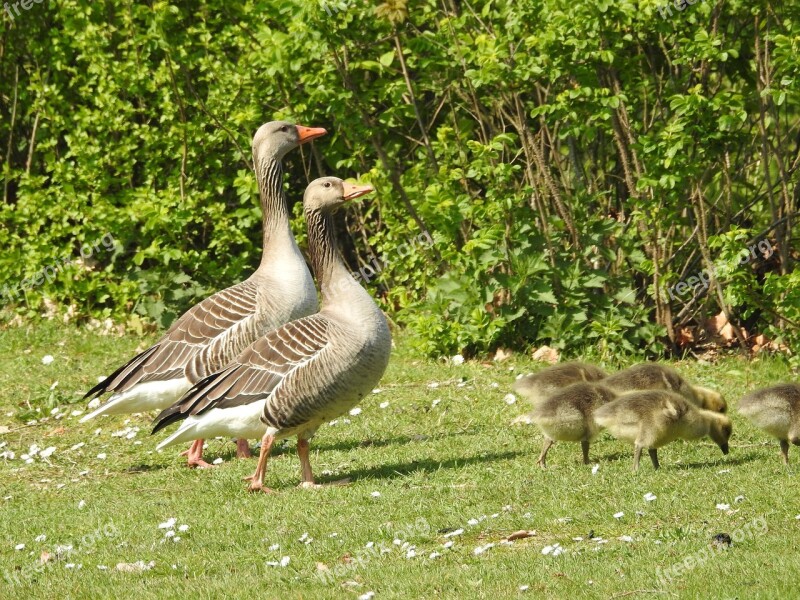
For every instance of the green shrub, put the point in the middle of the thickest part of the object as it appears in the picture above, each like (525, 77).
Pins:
(565, 163)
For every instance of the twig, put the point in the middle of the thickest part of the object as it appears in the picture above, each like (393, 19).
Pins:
(11, 135)
(623, 594)
(219, 124)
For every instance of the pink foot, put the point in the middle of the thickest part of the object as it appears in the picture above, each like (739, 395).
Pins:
(242, 449)
(259, 487)
(310, 485)
(199, 463)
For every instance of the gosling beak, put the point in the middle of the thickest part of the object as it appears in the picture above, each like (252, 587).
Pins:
(724, 448)
(352, 191)
(306, 134)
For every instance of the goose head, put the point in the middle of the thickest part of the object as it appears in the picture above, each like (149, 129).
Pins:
(279, 137)
(329, 193)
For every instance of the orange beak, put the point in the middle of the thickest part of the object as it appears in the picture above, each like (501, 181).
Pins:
(352, 191)
(306, 134)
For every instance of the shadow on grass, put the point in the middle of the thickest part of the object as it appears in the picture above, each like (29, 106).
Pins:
(352, 444)
(228, 451)
(611, 457)
(666, 464)
(734, 459)
(391, 471)
(729, 461)
(145, 468)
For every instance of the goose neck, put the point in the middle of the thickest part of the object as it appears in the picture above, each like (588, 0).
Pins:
(336, 282)
(275, 214)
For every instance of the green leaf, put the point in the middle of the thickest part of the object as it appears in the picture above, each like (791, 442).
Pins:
(386, 59)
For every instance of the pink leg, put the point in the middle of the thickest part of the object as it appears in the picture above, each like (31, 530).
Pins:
(257, 478)
(305, 464)
(190, 451)
(195, 455)
(242, 449)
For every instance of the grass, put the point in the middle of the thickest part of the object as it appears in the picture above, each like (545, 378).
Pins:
(433, 460)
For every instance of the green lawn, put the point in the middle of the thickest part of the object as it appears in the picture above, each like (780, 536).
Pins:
(424, 460)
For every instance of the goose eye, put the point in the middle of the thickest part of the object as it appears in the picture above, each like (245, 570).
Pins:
(327, 184)
(284, 128)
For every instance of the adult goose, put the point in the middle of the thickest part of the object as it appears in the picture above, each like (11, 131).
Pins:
(211, 334)
(305, 373)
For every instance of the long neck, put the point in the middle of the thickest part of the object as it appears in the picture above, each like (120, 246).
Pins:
(335, 280)
(275, 215)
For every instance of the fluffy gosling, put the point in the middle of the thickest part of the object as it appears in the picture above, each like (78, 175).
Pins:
(653, 376)
(776, 410)
(652, 418)
(537, 387)
(566, 416)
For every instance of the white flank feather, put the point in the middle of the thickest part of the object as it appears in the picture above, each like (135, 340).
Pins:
(240, 421)
(151, 395)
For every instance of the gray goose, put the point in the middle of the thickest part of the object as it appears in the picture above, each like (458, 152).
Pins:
(775, 410)
(305, 373)
(212, 333)
(537, 387)
(653, 376)
(567, 416)
(653, 418)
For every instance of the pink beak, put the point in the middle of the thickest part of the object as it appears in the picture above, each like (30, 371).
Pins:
(306, 134)
(352, 191)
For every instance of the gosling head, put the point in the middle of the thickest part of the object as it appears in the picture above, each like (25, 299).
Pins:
(710, 399)
(277, 138)
(329, 193)
(720, 431)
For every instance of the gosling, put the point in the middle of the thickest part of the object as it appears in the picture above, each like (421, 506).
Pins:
(776, 410)
(652, 418)
(653, 376)
(537, 387)
(566, 416)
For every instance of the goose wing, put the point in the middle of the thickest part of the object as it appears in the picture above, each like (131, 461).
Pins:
(256, 373)
(195, 345)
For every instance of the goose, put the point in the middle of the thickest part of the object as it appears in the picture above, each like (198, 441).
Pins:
(653, 418)
(537, 387)
(303, 374)
(212, 333)
(566, 416)
(776, 410)
(653, 376)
